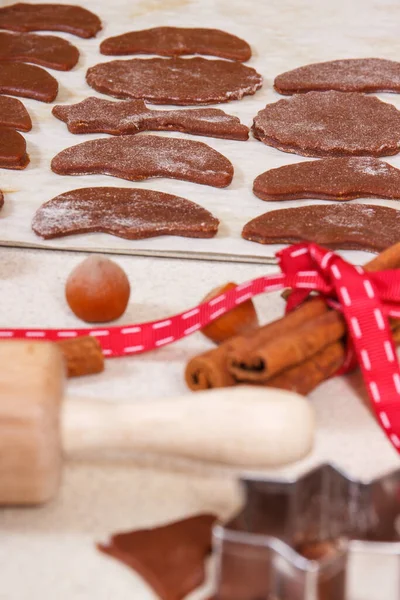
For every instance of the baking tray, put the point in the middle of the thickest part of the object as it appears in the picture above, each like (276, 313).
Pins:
(281, 38)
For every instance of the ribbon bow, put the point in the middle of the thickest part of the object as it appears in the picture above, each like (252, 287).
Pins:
(366, 300)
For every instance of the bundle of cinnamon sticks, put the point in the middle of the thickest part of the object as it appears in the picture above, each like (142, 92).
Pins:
(297, 352)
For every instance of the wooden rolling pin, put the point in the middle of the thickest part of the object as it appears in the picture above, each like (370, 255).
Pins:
(248, 427)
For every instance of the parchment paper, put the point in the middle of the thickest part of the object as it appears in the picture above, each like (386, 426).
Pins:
(283, 34)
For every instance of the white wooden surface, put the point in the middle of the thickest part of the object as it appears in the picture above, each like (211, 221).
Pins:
(51, 549)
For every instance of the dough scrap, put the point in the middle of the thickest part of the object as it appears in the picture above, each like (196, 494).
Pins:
(95, 115)
(330, 124)
(171, 558)
(48, 51)
(12, 149)
(129, 213)
(139, 157)
(178, 41)
(330, 179)
(27, 81)
(50, 17)
(180, 81)
(14, 114)
(349, 75)
(343, 226)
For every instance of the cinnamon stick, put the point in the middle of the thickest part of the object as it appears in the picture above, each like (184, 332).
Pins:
(209, 370)
(305, 377)
(82, 356)
(261, 356)
(259, 362)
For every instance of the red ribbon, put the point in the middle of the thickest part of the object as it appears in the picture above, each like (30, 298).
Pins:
(365, 299)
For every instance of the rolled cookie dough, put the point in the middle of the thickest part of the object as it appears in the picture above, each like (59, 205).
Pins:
(50, 17)
(95, 115)
(330, 124)
(349, 75)
(14, 114)
(140, 157)
(181, 81)
(330, 179)
(28, 81)
(129, 213)
(345, 226)
(12, 150)
(46, 50)
(178, 41)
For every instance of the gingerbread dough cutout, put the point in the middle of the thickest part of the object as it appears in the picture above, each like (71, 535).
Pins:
(349, 75)
(330, 124)
(95, 115)
(12, 150)
(140, 157)
(170, 558)
(45, 50)
(14, 114)
(330, 179)
(129, 213)
(28, 81)
(50, 17)
(343, 226)
(178, 41)
(180, 81)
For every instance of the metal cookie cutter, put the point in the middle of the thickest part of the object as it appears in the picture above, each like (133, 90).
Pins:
(299, 540)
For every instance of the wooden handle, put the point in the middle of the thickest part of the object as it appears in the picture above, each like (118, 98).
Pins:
(245, 427)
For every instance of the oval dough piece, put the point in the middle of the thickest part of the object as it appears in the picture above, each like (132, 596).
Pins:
(345, 226)
(330, 179)
(14, 114)
(136, 158)
(50, 17)
(28, 81)
(178, 41)
(330, 124)
(45, 50)
(129, 213)
(180, 81)
(12, 150)
(95, 115)
(349, 75)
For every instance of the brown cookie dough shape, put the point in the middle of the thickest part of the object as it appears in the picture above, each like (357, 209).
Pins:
(170, 558)
(45, 50)
(27, 81)
(96, 115)
(14, 114)
(129, 213)
(50, 17)
(342, 226)
(180, 81)
(178, 41)
(330, 124)
(12, 149)
(330, 179)
(349, 75)
(140, 157)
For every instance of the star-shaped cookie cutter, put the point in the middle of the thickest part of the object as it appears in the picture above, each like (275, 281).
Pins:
(294, 540)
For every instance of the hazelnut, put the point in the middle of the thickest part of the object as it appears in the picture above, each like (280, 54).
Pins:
(238, 321)
(97, 290)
